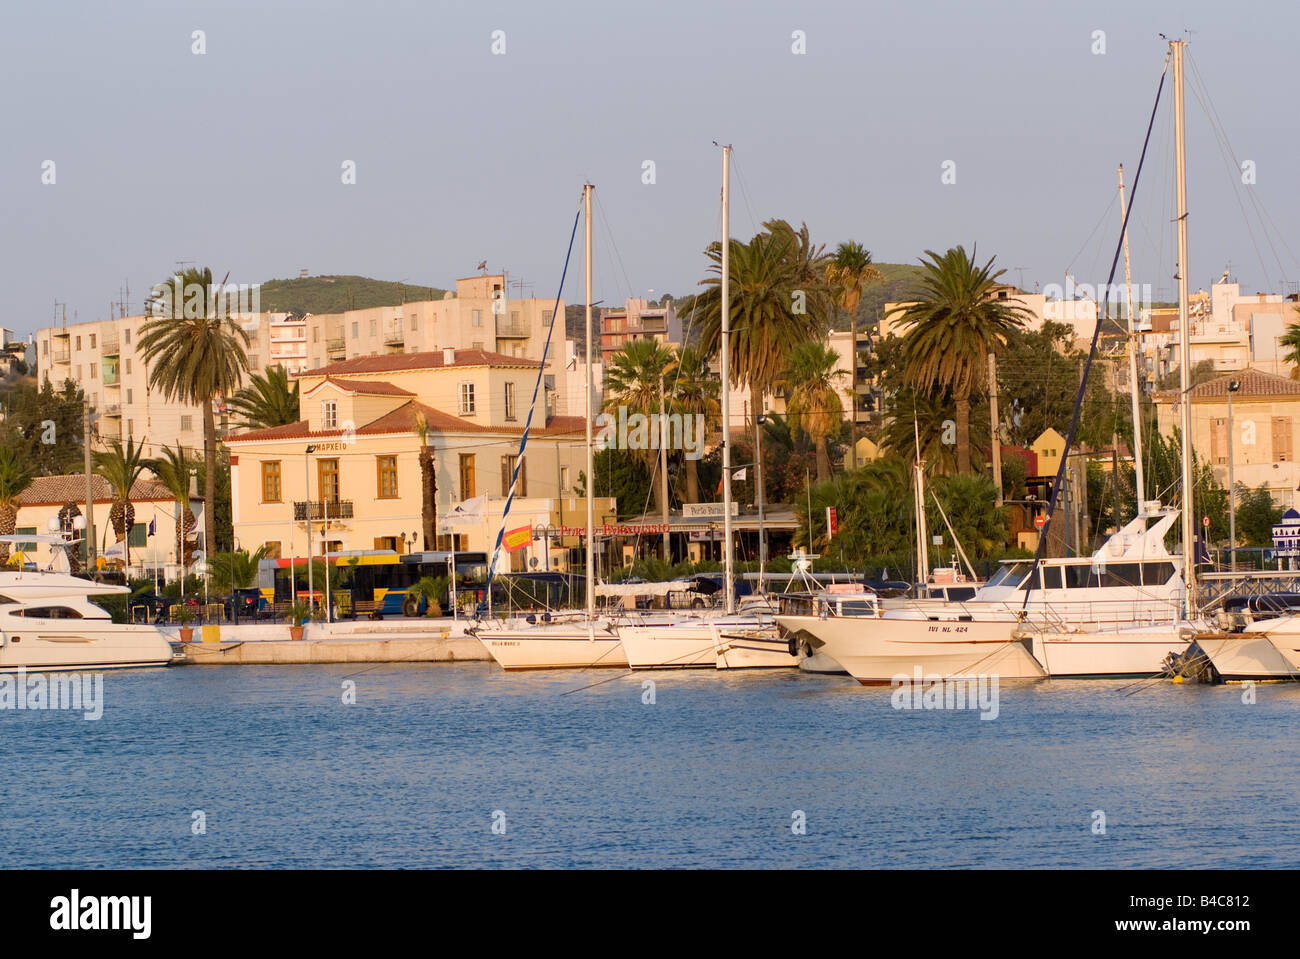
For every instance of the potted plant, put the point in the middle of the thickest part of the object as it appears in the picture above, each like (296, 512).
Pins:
(185, 616)
(299, 613)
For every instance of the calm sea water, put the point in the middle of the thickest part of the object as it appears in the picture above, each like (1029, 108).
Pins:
(710, 775)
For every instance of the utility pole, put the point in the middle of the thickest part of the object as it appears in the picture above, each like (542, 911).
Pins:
(993, 425)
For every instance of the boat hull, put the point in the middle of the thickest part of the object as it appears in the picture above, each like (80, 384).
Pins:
(876, 651)
(554, 647)
(1108, 653)
(66, 644)
(736, 650)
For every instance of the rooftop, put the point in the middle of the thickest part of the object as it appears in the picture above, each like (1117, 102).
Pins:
(429, 360)
(71, 488)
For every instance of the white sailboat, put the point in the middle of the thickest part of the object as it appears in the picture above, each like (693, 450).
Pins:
(576, 641)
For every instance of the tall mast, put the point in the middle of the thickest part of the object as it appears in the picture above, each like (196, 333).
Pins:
(1184, 331)
(728, 586)
(918, 494)
(591, 472)
(1139, 480)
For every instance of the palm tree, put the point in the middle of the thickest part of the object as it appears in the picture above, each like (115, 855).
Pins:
(779, 298)
(16, 474)
(173, 470)
(268, 400)
(953, 326)
(923, 415)
(428, 483)
(849, 270)
(636, 379)
(195, 359)
(238, 569)
(811, 402)
(121, 466)
(694, 393)
(1291, 340)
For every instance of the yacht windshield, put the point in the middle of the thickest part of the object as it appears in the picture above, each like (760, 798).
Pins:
(1009, 575)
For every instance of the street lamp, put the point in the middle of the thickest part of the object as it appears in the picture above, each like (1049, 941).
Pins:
(1233, 387)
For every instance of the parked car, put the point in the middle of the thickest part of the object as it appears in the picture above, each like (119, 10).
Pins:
(247, 604)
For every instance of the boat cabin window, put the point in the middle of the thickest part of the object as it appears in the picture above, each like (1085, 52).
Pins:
(1157, 574)
(1053, 578)
(1010, 575)
(959, 594)
(5, 600)
(48, 612)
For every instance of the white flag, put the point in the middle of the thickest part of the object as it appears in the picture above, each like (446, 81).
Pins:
(466, 513)
(740, 473)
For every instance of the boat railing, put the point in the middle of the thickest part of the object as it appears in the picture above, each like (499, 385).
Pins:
(1064, 616)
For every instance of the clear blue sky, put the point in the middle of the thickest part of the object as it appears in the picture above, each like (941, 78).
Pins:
(233, 158)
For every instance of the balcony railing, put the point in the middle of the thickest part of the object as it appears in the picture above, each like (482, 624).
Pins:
(329, 509)
(512, 330)
(112, 379)
(112, 409)
(336, 344)
(62, 356)
(110, 345)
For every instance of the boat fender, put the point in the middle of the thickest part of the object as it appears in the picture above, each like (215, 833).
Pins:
(793, 645)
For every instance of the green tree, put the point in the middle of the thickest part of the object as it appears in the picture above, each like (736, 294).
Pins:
(695, 392)
(16, 474)
(779, 299)
(952, 327)
(268, 400)
(121, 466)
(235, 570)
(1256, 516)
(173, 470)
(46, 425)
(848, 273)
(637, 379)
(428, 483)
(196, 352)
(812, 404)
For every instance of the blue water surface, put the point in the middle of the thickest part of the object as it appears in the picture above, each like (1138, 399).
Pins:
(713, 773)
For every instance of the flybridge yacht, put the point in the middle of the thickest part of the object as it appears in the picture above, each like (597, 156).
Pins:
(48, 622)
(1115, 613)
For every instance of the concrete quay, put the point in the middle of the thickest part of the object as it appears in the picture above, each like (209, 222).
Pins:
(363, 641)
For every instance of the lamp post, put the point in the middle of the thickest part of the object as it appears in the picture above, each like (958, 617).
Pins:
(1233, 386)
(306, 486)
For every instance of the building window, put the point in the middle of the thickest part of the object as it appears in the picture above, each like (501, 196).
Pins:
(126, 335)
(510, 401)
(564, 478)
(128, 366)
(547, 316)
(271, 481)
(128, 397)
(139, 536)
(253, 361)
(477, 345)
(466, 399)
(507, 472)
(94, 371)
(467, 476)
(315, 334)
(329, 414)
(272, 548)
(328, 472)
(45, 347)
(77, 344)
(387, 477)
(478, 320)
(130, 428)
(415, 323)
(374, 327)
(356, 330)
(92, 341)
(387, 542)
(187, 423)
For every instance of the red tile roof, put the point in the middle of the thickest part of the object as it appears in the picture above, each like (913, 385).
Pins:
(403, 420)
(363, 387)
(71, 488)
(429, 360)
(1252, 383)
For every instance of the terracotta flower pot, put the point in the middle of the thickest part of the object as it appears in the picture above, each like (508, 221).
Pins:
(187, 634)
(295, 632)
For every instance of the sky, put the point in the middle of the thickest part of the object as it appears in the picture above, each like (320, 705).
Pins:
(234, 157)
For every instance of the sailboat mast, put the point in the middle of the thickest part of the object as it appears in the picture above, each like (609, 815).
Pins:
(591, 472)
(1184, 331)
(1139, 478)
(728, 586)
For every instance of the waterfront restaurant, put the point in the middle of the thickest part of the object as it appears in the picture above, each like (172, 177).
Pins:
(353, 462)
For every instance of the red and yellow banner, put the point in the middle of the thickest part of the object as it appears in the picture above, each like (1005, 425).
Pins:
(517, 539)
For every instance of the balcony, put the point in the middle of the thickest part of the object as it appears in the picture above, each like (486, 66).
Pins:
(112, 409)
(336, 344)
(330, 509)
(512, 329)
(62, 356)
(111, 346)
(62, 331)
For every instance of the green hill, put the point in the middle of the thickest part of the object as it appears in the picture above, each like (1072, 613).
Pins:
(334, 294)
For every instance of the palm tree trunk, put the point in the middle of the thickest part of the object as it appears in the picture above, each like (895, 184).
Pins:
(823, 460)
(209, 474)
(692, 481)
(963, 435)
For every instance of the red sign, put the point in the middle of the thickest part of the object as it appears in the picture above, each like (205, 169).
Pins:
(1040, 521)
(832, 522)
(1205, 521)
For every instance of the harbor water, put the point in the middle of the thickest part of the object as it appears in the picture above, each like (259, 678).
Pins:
(463, 765)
